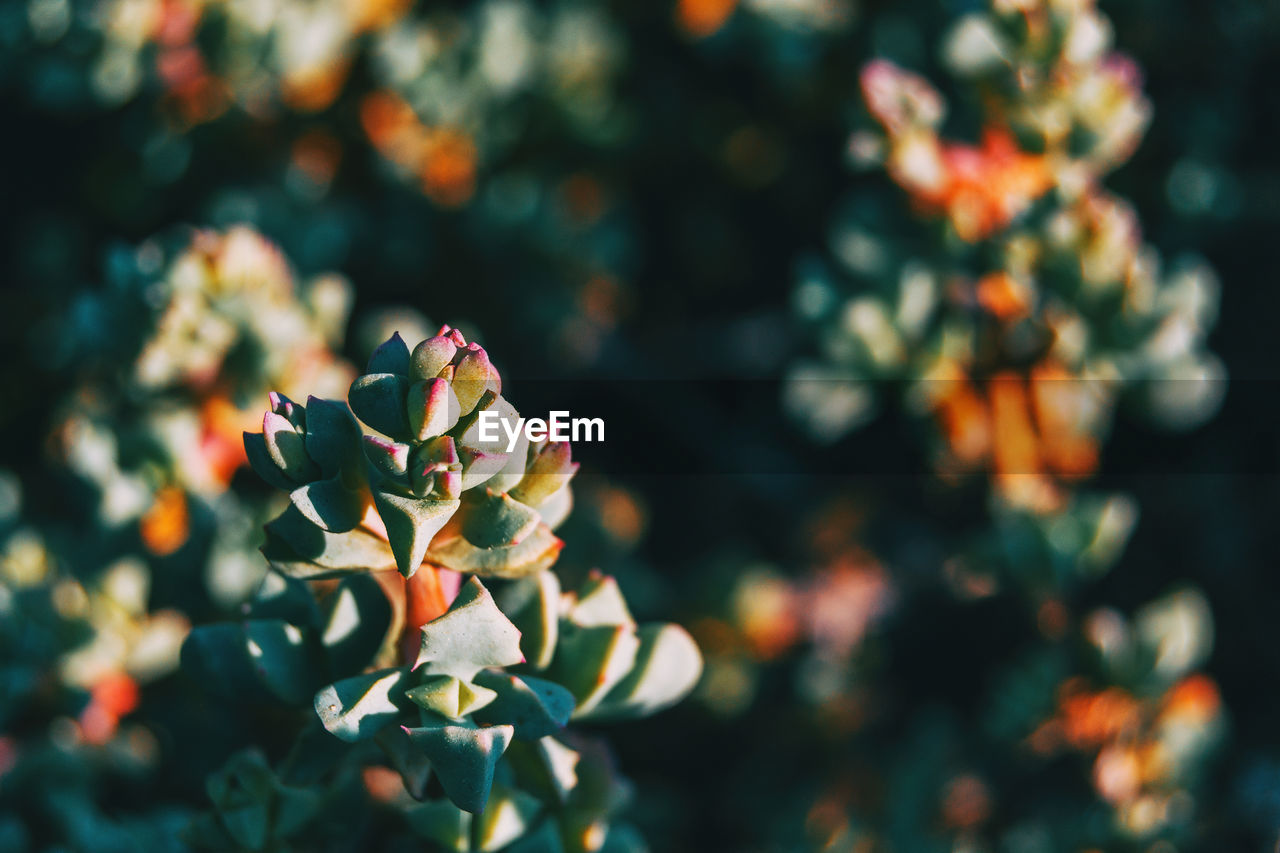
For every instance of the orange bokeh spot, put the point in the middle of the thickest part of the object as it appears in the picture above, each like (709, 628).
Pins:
(702, 18)
(165, 527)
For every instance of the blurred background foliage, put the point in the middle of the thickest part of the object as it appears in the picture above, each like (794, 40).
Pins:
(907, 648)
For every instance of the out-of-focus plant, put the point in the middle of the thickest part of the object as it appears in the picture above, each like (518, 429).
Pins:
(444, 94)
(181, 344)
(74, 657)
(1031, 308)
(463, 694)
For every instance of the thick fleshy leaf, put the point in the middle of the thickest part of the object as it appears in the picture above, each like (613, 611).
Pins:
(590, 661)
(535, 707)
(282, 597)
(509, 814)
(356, 624)
(329, 505)
(544, 839)
(255, 448)
(443, 823)
(474, 375)
(547, 768)
(431, 356)
(389, 458)
(298, 548)
(287, 448)
(546, 474)
(217, 656)
(358, 707)
(333, 436)
(391, 356)
(537, 551)
(449, 696)
(599, 602)
(472, 635)
(412, 765)
(513, 472)
(667, 666)
(556, 508)
(494, 521)
(533, 604)
(411, 524)
(284, 661)
(379, 399)
(463, 758)
(480, 466)
(432, 408)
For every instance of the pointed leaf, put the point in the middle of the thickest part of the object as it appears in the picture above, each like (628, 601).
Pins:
(497, 520)
(535, 707)
(463, 758)
(391, 356)
(443, 823)
(333, 436)
(298, 548)
(599, 602)
(378, 399)
(533, 604)
(356, 708)
(356, 624)
(255, 448)
(536, 552)
(449, 696)
(411, 524)
(329, 505)
(283, 660)
(508, 815)
(472, 635)
(590, 661)
(667, 666)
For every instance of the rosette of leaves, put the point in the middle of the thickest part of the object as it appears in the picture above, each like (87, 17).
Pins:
(425, 483)
(483, 706)
(475, 723)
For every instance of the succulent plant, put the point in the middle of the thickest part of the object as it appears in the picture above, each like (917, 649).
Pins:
(428, 483)
(465, 695)
(1021, 328)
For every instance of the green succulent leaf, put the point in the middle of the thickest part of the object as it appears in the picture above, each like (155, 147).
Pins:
(329, 505)
(667, 666)
(298, 548)
(496, 520)
(283, 597)
(449, 696)
(356, 624)
(410, 763)
(217, 656)
(389, 458)
(391, 356)
(463, 757)
(357, 708)
(590, 661)
(287, 448)
(533, 604)
(599, 602)
(255, 449)
(472, 635)
(333, 436)
(508, 815)
(379, 400)
(432, 356)
(284, 661)
(411, 524)
(535, 707)
(443, 823)
(536, 552)
(432, 408)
